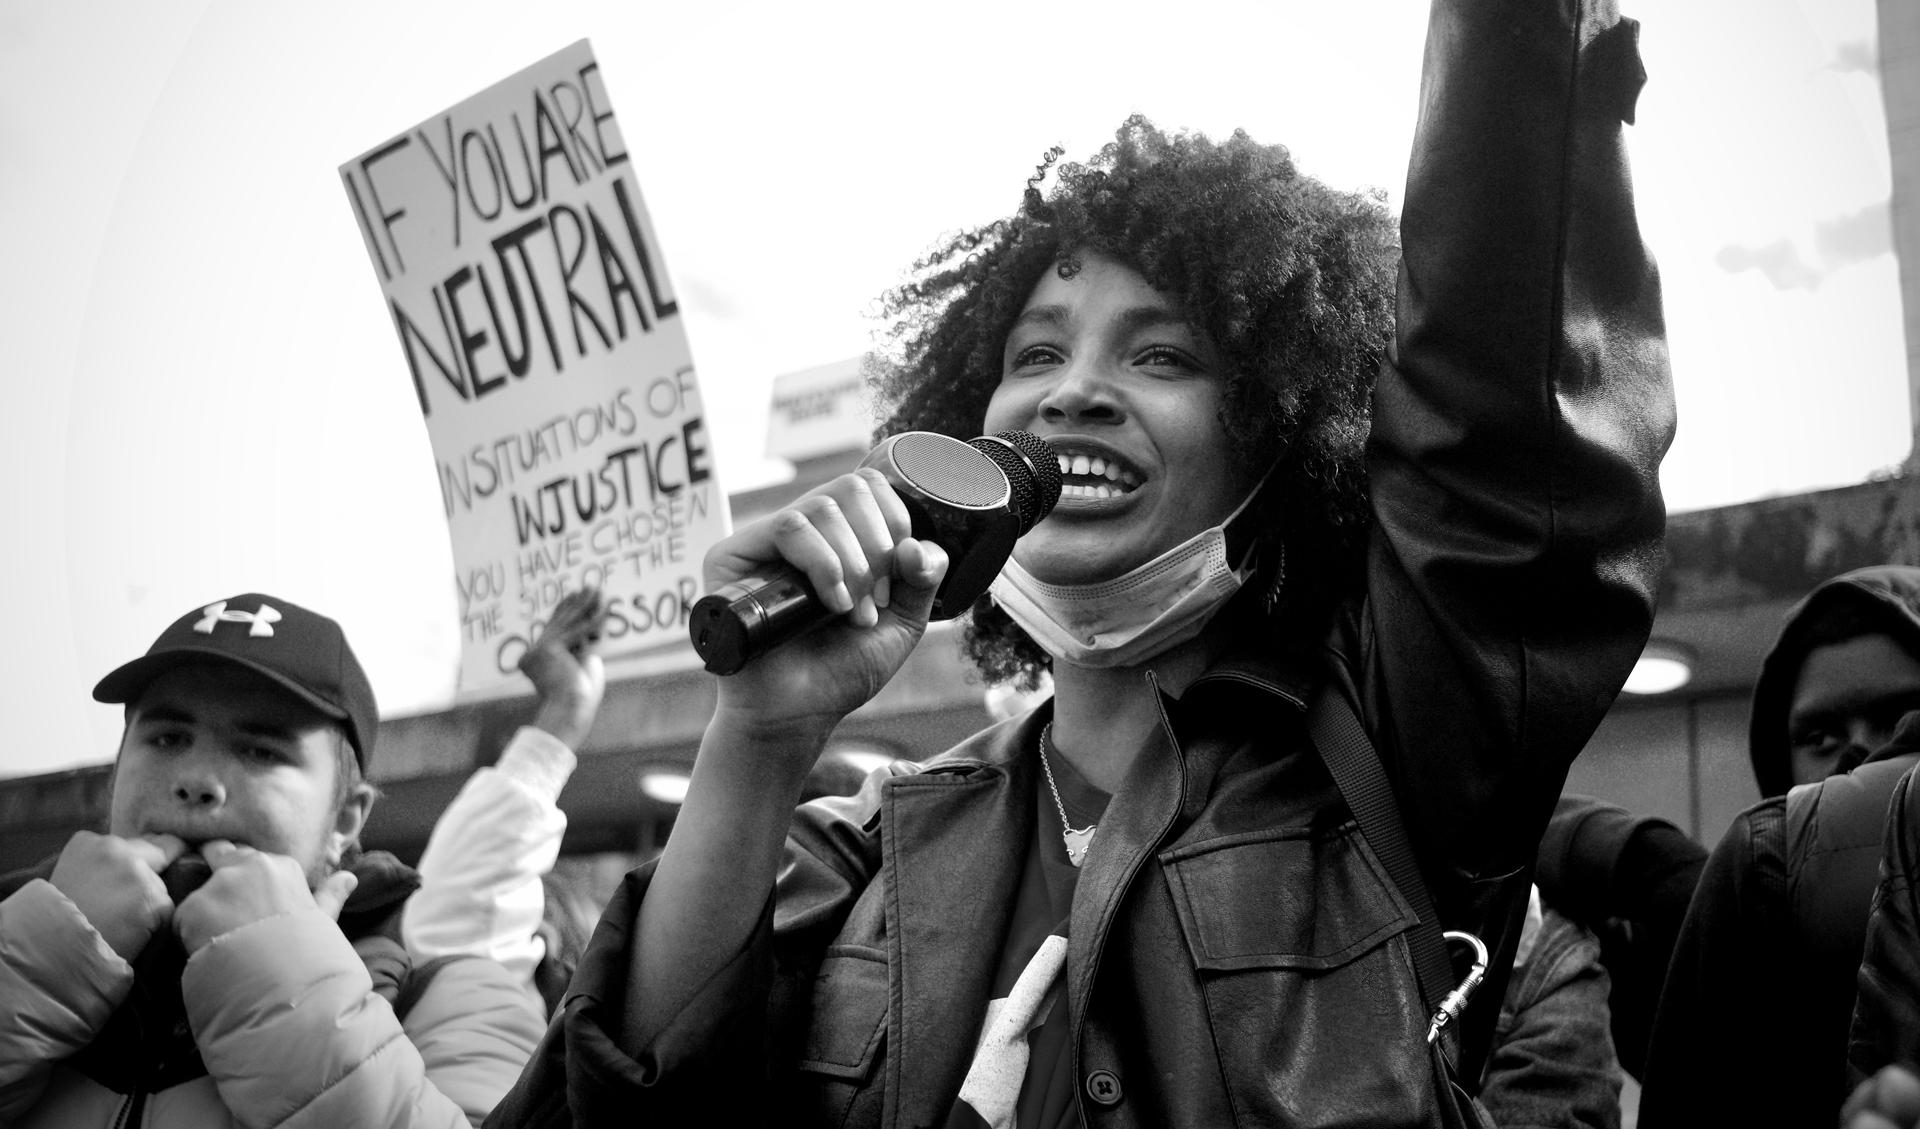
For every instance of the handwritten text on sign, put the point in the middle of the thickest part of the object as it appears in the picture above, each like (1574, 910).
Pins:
(544, 342)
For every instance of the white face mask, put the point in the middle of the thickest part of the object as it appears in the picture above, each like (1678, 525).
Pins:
(1132, 618)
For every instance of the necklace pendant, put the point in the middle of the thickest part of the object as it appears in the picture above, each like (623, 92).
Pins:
(1077, 843)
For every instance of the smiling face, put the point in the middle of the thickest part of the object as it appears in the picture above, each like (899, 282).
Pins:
(1109, 373)
(219, 752)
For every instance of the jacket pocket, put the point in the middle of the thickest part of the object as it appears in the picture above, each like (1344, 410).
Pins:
(1285, 898)
(1300, 960)
(849, 1020)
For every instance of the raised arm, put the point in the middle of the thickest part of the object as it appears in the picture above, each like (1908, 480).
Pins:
(480, 890)
(1518, 429)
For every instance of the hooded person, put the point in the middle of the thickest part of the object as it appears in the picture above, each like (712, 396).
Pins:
(1754, 1016)
(225, 954)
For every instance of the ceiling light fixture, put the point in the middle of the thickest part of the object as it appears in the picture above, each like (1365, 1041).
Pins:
(1665, 666)
(664, 785)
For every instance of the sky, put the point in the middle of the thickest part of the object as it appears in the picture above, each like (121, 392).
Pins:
(202, 393)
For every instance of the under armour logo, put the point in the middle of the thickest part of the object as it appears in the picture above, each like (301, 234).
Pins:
(262, 620)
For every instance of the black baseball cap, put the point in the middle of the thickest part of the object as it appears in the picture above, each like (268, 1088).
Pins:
(303, 651)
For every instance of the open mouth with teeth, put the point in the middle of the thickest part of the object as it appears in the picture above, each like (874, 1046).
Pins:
(1084, 475)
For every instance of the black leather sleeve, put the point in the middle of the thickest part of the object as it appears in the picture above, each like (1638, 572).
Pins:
(1886, 1012)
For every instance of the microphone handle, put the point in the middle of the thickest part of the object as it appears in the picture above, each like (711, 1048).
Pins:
(755, 614)
(959, 495)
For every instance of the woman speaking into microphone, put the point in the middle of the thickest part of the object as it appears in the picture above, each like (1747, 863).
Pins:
(1157, 899)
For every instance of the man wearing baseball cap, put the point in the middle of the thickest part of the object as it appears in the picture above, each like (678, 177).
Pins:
(214, 958)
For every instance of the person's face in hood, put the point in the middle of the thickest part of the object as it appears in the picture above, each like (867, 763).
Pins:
(1847, 700)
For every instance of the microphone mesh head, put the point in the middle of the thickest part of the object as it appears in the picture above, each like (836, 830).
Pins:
(1031, 469)
(947, 469)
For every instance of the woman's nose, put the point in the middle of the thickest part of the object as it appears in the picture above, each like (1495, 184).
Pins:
(1081, 392)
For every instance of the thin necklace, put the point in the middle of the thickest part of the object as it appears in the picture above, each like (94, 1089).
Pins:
(1077, 839)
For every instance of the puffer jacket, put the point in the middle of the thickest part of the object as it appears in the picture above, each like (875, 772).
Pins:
(277, 1023)
(1753, 1022)
(1237, 955)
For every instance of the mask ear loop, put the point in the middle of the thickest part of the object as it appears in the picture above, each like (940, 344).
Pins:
(1242, 537)
(1277, 587)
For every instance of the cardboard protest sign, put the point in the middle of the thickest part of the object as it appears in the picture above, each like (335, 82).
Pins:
(545, 344)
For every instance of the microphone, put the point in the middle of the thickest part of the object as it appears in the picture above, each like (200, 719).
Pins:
(972, 498)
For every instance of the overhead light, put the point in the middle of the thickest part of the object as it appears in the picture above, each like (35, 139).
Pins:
(865, 759)
(1664, 667)
(664, 785)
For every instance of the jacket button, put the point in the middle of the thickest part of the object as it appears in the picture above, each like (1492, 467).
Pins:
(1103, 1086)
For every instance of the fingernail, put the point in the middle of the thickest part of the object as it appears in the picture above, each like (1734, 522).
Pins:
(882, 591)
(867, 614)
(842, 599)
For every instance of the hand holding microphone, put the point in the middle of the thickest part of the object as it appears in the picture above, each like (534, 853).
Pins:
(973, 499)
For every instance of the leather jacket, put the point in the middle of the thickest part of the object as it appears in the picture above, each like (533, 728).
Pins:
(1886, 1015)
(1237, 954)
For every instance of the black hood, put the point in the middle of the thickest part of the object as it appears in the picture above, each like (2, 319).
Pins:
(1888, 594)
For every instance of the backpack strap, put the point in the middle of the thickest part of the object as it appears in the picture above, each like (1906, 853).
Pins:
(1350, 757)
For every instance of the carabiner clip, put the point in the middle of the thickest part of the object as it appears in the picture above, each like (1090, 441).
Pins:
(1456, 1001)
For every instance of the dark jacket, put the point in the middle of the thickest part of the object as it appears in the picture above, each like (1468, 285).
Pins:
(1753, 1022)
(1886, 1017)
(1237, 955)
(1628, 878)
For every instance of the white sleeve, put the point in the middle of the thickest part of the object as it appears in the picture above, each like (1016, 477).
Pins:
(480, 875)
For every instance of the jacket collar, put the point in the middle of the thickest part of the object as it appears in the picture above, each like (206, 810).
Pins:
(955, 838)
(1288, 676)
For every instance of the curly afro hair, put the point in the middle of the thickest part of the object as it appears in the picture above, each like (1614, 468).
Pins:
(1292, 281)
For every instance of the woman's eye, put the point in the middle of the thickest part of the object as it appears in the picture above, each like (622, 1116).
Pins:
(1035, 355)
(1163, 356)
(167, 740)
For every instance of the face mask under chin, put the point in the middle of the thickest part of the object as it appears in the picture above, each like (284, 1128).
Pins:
(1133, 618)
